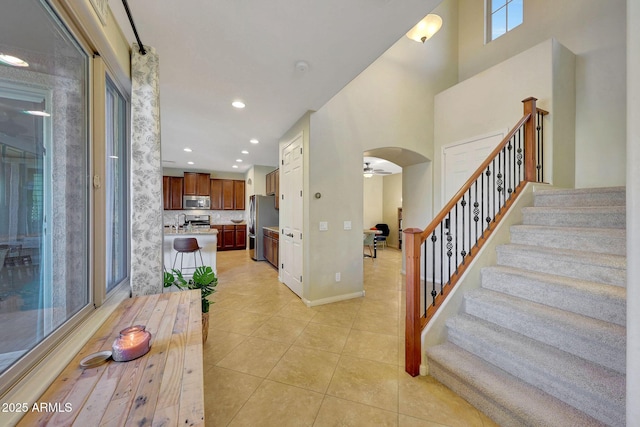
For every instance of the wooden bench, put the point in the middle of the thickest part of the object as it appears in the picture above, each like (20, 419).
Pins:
(163, 387)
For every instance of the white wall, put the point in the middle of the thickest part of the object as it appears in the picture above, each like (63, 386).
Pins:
(491, 101)
(390, 104)
(372, 201)
(595, 31)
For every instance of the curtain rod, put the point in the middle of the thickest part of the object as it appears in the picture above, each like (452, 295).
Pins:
(133, 27)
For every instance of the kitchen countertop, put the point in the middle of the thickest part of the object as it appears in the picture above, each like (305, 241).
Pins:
(274, 229)
(172, 231)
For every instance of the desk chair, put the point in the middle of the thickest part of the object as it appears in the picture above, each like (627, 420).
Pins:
(382, 238)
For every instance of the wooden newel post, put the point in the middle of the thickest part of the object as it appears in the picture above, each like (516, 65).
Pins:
(413, 329)
(530, 140)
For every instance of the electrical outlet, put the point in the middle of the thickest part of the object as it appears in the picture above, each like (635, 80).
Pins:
(347, 225)
(324, 225)
(337, 277)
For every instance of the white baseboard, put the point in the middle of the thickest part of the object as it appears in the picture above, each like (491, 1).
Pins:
(329, 300)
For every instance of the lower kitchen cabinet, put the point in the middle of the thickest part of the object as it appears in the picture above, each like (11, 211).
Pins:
(231, 237)
(271, 246)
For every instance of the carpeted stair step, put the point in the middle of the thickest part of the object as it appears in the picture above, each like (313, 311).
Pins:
(580, 265)
(561, 216)
(605, 196)
(595, 390)
(503, 397)
(599, 240)
(597, 341)
(592, 299)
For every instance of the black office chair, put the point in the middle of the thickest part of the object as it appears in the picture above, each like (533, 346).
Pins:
(382, 238)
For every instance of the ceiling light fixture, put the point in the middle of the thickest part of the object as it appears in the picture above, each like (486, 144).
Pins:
(188, 150)
(12, 60)
(239, 160)
(426, 28)
(235, 166)
(254, 141)
(189, 163)
(238, 104)
(244, 152)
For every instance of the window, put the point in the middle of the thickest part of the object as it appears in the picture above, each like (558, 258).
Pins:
(44, 188)
(502, 17)
(117, 249)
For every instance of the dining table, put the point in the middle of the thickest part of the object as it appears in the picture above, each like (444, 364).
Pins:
(375, 241)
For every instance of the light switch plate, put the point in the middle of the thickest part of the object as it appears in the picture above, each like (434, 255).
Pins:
(324, 225)
(347, 225)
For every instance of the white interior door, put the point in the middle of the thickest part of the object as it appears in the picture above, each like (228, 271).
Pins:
(461, 159)
(291, 181)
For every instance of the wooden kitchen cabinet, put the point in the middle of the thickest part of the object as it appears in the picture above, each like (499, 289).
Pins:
(238, 195)
(271, 242)
(232, 237)
(196, 184)
(227, 194)
(172, 192)
(219, 236)
(273, 186)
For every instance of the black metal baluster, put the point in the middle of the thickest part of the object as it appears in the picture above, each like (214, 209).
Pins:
(476, 210)
(456, 236)
(470, 244)
(509, 148)
(441, 258)
(463, 253)
(433, 269)
(449, 244)
(519, 160)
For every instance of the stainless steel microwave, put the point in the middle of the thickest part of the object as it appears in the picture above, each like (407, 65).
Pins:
(196, 202)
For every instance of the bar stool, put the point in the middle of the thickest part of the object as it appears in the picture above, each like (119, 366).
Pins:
(184, 245)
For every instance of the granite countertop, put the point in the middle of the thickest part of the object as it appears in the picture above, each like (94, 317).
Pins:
(274, 229)
(171, 231)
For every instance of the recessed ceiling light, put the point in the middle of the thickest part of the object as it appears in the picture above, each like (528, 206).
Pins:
(235, 166)
(239, 160)
(113, 157)
(12, 60)
(254, 141)
(37, 113)
(238, 104)
(189, 163)
(244, 152)
(188, 150)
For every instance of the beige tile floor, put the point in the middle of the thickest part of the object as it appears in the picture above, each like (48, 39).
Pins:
(272, 361)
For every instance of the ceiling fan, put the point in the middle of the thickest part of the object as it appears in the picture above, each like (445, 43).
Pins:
(368, 171)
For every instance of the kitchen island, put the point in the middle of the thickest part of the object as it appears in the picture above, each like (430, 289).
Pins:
(208, 241)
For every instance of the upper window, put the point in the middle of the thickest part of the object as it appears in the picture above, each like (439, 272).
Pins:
(502, 17)
(44, 185)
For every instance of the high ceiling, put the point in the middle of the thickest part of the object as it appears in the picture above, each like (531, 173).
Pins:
(213, 52)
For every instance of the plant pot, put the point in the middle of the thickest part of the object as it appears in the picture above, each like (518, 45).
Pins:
(205, 327)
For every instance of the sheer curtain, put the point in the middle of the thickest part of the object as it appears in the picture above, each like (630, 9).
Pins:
(146, 174)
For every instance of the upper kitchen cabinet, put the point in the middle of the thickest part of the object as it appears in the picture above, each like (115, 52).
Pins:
(227, 194)
(238, 195)
(172, 192)
(196, 184)
(273, 185)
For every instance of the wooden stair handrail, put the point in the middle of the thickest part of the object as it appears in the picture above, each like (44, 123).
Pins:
(414, 237)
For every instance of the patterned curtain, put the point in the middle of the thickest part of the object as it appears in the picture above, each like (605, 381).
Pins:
(146, 175)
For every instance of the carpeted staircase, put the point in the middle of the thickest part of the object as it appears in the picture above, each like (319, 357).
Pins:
(543, 341)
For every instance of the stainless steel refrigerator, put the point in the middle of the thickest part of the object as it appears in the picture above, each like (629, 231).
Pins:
(262, 213)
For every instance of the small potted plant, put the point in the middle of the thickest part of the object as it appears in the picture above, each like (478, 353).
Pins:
(204, 279)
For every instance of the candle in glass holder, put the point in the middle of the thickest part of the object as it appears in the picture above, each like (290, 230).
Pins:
(132, 343)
